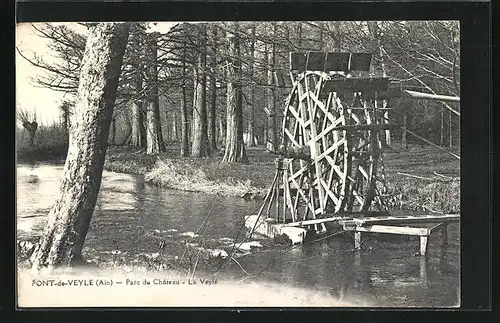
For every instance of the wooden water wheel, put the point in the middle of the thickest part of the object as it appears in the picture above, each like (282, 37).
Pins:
(331, 158)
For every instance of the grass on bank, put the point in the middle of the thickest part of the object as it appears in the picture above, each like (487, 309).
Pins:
(206, 174)
(209, 175)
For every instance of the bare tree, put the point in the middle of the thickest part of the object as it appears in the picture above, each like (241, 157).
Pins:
(70, 216)
(28, 121)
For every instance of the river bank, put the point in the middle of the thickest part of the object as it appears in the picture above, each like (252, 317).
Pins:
(418, 178)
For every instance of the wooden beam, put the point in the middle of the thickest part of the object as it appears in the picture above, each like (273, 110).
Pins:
(357, 84)
(402, 219)
(357, 240)
(374, 127)
(330, 61)
(400, 93)
(315, 221)
(360, 62)
(390, 230)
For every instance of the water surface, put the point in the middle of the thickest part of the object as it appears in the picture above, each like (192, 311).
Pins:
(134, 221)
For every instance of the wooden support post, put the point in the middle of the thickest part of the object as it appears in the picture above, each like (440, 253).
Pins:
(357, 260)
(423, 269)
(357, 240)
(444, 234)
(423, 245)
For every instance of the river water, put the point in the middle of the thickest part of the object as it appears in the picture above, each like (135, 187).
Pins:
(135, 223)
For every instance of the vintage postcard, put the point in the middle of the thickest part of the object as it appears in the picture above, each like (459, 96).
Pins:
(238, 164)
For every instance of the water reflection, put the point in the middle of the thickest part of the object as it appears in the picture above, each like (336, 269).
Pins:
(133, 219)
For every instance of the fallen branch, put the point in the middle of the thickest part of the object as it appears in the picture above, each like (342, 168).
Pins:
(431, 210)
(243, 269)
(446, 177)
(415, 176)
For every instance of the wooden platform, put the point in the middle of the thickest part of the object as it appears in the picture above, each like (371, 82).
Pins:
(399, 225)
(297, 231)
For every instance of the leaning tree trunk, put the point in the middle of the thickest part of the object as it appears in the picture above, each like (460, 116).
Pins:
(69, 218)
(154, 143)
(235, 148)
(200, 136)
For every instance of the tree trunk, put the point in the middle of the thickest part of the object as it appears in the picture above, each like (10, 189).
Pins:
(65, 123)
(200, 136)
(113, 131)
(161, 141)
(175, 130)
(126, 138)
(33, 126)
(212, 132)
(271, 143)
(338, 36)
(184, 110)
(154, 142)
(222, 132)
(138, 136)
(299, 35)
(251, 122)
(235, 148)
(404, 142)
(70, 216)
(321, 35)
(450, 129)
(168, 127)
(441, 139)
(375, 32)
(184, 124)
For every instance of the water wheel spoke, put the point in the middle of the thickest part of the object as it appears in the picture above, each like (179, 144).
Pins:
(344, 169)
